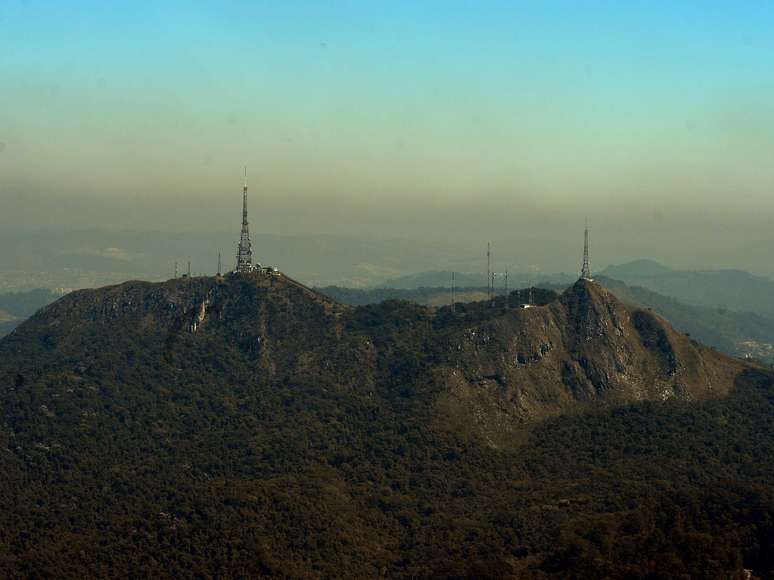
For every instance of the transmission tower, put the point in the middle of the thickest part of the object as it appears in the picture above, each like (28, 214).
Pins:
(452, 293)
(244, 250)
(488, 270)
(586, 269)
(507, 296)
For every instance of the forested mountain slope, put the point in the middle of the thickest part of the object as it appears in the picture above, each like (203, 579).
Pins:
(247, 426)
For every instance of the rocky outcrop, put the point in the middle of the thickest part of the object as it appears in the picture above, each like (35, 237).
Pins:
(585, 349)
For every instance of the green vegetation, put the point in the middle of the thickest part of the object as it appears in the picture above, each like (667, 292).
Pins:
(435, 296)
(292, 437)
(423, 296)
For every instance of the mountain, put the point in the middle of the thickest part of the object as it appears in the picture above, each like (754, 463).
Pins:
(247, 426)
(583, 345)
(731, 289)
(741, 334)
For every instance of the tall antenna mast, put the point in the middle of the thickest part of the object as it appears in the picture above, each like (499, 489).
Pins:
(176, 274)
(507, 297)
(219, 264)
(488, 270)
(245, 249)
(586, 269)
(452, 293)
(189, 268)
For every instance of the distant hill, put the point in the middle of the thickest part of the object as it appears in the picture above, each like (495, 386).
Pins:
(7, 322)
(442, 279)
(732, 289)
(16, 306)
(426, 296)
(25, 304)
(250, 427)
(638, 269)
(435, 279)
(742, 334)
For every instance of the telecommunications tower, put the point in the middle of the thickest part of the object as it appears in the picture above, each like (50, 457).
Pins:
(586, 269)
(488, 271)
(452, 294)
(244, 250)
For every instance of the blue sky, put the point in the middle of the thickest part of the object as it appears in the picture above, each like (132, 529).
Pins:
(379, 104)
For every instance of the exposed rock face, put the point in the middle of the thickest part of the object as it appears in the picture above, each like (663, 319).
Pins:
(584, 349)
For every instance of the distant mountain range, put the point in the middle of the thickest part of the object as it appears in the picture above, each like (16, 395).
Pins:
(730, 289)
(442, 279)
(742, 334)
(92, 258)
(7, 322)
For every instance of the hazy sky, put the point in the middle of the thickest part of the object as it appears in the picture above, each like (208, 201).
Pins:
(399, 118)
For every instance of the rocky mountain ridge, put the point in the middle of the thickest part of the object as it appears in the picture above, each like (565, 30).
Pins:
(583, 348)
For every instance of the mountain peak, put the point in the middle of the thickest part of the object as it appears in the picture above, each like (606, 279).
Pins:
(585, 347)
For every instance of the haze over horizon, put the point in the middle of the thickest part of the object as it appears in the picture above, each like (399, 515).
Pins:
(500, 121)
